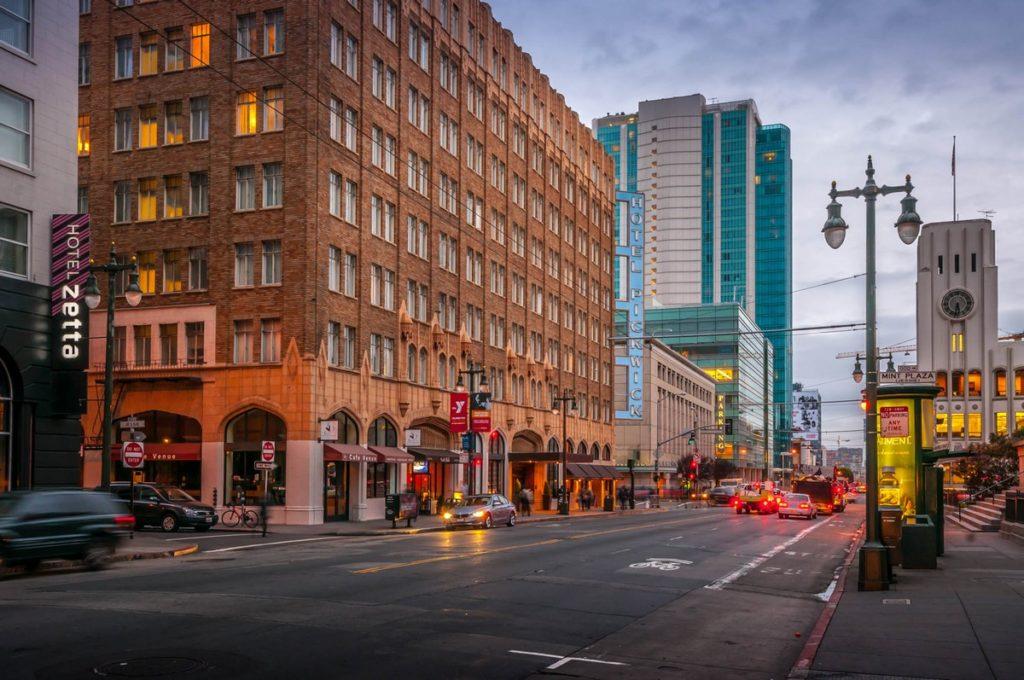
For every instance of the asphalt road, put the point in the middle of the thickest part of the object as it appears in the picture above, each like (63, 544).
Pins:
(727, 596)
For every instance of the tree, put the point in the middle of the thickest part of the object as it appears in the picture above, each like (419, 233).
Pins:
(722, 468)
(845, 472)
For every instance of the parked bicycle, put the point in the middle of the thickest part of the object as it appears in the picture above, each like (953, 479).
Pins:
(236, 514)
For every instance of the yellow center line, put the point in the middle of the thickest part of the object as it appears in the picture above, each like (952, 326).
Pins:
(491, 551)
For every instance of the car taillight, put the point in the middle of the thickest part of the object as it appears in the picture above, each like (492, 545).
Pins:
(783, 504)
(124, 521)
(805, 506)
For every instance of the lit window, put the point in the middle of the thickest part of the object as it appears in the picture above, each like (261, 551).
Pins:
(83, 135)
(273, 32)
(200, 46)
(148, 126)
(174, 123)
(149, 55)
(245, 114)
(147, 199)
(173, 200)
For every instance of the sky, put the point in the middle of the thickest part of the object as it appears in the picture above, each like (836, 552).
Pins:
(895, 79)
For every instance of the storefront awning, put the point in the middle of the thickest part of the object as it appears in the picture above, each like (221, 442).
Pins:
(439, 455)
(585, 471)
(546, 457)
(391, 454)
(172, 452)
(349, 453)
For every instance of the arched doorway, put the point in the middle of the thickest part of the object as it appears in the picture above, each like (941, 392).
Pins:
(496, 464)
(173, 448)
(243, 439)
(6, 445)
(341, 468)
(432, 474)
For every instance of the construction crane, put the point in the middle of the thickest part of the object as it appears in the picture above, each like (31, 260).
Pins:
(881, 351)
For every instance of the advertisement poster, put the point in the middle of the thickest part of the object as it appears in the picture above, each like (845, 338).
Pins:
(807, 415)
(897, 482)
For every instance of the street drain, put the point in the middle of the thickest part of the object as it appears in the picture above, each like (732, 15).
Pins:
(150, 667)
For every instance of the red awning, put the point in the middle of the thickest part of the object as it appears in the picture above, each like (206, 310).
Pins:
(439, 455)
(174, 452)
(348, 453)
(391, 454)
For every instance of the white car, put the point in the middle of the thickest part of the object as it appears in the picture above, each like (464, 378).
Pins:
(797, 505)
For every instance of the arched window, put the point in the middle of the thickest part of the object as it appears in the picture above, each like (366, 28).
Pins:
(410, 360)
(940, 382)
(957, 388)
(974, 383)
(442, 371)
(595, 451)
(423, 365)
(582, 450)
(6, 447)
(522, 389)
(496, 464)
(382, 432)
(1000, 377)
(553, 445)
(348, 428)
(607, 452)
(243, 443)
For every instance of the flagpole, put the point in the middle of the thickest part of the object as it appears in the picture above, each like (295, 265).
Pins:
(954, 178)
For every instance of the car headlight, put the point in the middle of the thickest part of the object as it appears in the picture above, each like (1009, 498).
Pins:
(191, 512)
(447, 515)
(478, 513)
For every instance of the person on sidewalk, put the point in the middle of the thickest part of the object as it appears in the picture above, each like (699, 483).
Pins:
(529, 501)
(522, 500)
(623, 496)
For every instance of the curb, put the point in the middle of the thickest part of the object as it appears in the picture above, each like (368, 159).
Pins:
(154, 554)
(802, 667)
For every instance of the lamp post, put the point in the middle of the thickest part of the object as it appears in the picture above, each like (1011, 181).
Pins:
(132, 295)
(483, 388)
(874, 565)
(564, 403)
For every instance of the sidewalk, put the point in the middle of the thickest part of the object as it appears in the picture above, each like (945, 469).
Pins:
(427, 523)
(961, 621)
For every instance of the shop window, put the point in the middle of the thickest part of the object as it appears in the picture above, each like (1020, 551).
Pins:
(348, 429)
(1018, 421)
(940, 382)
(1018, 381)
(243, 440)
(957, 425)
(382, 433)
(1000, 376)
(5, 429)
(941, 425)
(1000, 422)
(974, 425)
(974, 384)
(957, 388)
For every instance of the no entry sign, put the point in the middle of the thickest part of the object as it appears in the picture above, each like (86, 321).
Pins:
(133, 455)
(267, 451)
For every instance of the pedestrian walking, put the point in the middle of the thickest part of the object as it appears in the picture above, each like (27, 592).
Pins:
(263, 513)
(529, 501)
(622, 496)
(590, 498)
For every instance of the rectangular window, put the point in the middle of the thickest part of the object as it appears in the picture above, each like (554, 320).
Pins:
(174, 123)
(173, 199)
(122, 129)
(174, 59)
(333, 343)
(273, 108)
(245, 188)
(199, 46)
(15, 128)
(15, 24)
(246, 37)
(147, 262)
(175, 270)
(348, 347)
(168, 344)
(243, 341)
(270, 340)
(335, 47)
(147, 199)
(84, 135)
(199, 118)
(351, 201)
(84, 63)
(335, 120)
(122, 201)
(273, 185)
(148, 124)
(149, 55)
(195, 349)
(271, 263)
(273, 32)
(349, 273)
(123, 67)
(334, 194)
(243, 265)
(143, 336)
(198, 193)
(83, 199)
(197, 268)
(334, 268)
(14, 234)
(351, 57)
(974, 262)
(350, 129)
(245, 114)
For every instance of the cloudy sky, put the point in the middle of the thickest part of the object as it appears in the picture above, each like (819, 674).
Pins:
(896, 79)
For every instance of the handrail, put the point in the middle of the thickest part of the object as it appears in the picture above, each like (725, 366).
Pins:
(971, 498)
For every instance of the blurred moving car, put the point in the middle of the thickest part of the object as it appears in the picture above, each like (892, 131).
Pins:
(819, 490)
(167, 507)
(862, 488)
(797, 505)
(752, 498)
(67, 525)
(484, 511)
(722, 495)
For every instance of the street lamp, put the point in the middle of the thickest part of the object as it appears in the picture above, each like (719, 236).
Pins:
(133, 296)
(563, 404)
(858, 374)
(874, 564)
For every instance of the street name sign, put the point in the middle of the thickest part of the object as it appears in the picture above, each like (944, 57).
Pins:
(132, 423)
(260, 465)
(907, 377)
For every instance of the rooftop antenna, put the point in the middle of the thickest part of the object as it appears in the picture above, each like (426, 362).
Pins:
(953, 169)
(988, 213)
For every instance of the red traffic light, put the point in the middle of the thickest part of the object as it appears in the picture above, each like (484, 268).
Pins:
(494, 435)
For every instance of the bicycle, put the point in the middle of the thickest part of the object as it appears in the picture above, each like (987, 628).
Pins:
(233, 516)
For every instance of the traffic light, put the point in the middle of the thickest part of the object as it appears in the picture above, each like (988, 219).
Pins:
(794, 450)
(863, 401)
(494, 435)
(694, 463)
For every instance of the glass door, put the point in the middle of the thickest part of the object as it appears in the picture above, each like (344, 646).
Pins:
(335, 491)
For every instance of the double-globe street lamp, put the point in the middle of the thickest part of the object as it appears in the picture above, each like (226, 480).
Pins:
(133, 296)
(874, 566)
(564, 403)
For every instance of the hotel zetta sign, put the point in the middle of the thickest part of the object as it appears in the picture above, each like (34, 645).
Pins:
(69, 269)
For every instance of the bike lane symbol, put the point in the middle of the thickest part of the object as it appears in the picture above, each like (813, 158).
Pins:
(660, 563)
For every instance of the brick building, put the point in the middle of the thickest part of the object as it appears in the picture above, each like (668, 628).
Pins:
(334, 206)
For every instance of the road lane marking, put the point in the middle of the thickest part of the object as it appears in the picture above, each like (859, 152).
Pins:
(562, 660)
(202, 536)
(445, 558)
(267, 545)
(761, 559)
(616, 552)
(675, 538)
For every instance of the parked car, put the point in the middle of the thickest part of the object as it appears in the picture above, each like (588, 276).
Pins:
(67, 525)
(797, 505)
(722, 495)
(167, 507)
(484, 511)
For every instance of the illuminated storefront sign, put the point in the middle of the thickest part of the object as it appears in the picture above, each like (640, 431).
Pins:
(897, 455)
(629, 298)
(69, 269)
(720, 423)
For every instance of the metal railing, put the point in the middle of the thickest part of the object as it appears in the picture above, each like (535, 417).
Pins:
(972, 498)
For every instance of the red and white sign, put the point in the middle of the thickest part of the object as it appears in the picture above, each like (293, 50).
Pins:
(458, 412)
(481, 421)
(895, 421)
(133, 455)
(267, 452)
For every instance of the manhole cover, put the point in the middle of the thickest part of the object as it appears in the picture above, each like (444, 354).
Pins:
(150, 667)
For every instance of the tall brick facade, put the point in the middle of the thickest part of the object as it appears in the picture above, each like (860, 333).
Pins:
(341, 179)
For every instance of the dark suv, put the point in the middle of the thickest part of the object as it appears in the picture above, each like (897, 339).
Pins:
(70, 525)
(167, 507)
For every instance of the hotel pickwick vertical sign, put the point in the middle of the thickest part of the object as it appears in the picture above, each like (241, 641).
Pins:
(629, 296)
(69, 316)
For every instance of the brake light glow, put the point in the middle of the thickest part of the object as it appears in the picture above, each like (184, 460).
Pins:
(783, 504)
(124, 521)
(805, 506)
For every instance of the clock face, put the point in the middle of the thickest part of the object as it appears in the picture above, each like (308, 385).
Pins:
(957, 303)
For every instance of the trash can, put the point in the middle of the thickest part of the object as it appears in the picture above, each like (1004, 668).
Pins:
(920, 546)
(891, 526)
(1011, 506)
(609, 503)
